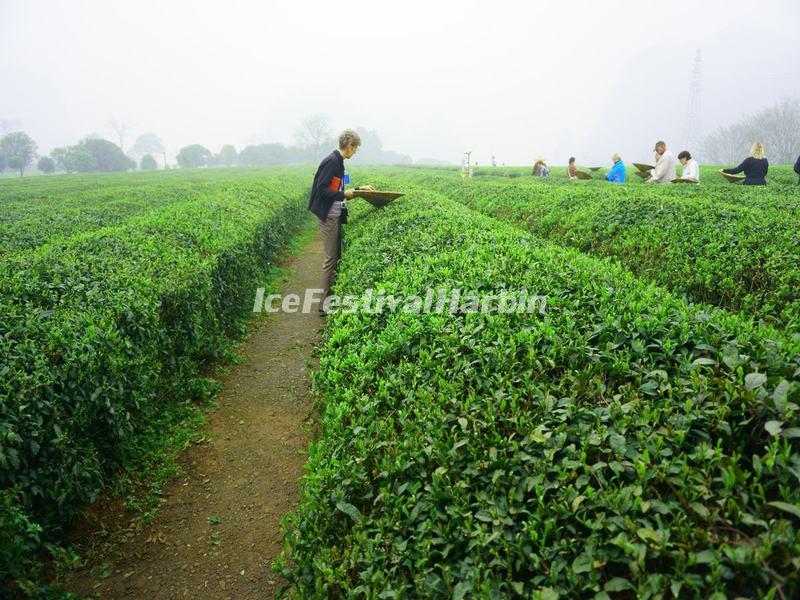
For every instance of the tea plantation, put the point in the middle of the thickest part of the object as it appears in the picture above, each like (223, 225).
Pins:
(638, 438)
(114, 293)
(628, 443)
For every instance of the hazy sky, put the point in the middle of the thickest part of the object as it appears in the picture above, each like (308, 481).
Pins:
(514, 79)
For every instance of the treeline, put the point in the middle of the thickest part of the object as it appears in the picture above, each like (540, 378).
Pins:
(197, 155)
(92, 155)
(777, 127)
(313, 139)
(259, 155)
(18, 151)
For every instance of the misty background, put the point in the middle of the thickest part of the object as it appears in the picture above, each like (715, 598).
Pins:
(512, 80)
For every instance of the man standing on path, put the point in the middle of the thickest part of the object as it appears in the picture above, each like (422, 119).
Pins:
(326, 201)
(665, 166)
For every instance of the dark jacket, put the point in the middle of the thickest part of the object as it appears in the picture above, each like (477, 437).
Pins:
(797, 168)
(755, 170)
(328, 185)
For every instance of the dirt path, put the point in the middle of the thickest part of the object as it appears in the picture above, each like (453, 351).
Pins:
(219, 530)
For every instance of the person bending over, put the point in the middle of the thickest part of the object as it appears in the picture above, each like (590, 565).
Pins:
(540, 169)
(327, 202)
(572, 169)
(754, 167)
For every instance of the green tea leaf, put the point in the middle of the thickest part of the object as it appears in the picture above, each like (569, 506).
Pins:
(773, 427)
(348, 509)
(792, 509)
(582, 564)
(754, 380)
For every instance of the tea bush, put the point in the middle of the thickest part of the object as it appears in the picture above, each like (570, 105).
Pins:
(624, 444)
(732, 246)
(103, 329)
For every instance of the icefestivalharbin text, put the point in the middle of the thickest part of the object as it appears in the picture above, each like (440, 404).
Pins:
(453, 301)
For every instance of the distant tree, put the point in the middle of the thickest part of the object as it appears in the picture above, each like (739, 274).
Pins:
(227, 156)
(79, 159)
(250, 156)
(296, 155)
(263, 154)
(314, 134)
(19, 150)
(778, 127)
(372, 152)
(371, 147)
(147, 143)
(121, 128)
(2, 162)
(148, 163)
(59, 155)
(46, 165)
(108, 156)
(194, 156)
(728, 145)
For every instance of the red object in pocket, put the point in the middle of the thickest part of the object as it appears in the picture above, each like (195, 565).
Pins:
(335, 183)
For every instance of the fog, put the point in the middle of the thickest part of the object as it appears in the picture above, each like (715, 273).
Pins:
(510, 79)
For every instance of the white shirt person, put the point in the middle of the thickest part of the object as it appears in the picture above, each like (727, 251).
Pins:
(691, 169)
(665, 165)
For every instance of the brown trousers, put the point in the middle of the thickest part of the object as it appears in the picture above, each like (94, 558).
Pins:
(331, 233)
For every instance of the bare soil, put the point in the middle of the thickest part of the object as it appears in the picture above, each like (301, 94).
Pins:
(219, 530)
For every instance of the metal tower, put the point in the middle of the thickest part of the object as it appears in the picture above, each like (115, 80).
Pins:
(694, 114)
(466, 165)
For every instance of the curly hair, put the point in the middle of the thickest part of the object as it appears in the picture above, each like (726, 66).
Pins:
(349, 137)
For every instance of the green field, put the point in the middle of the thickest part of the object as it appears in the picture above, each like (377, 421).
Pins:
(115, 292)
(638, 439)
(733, 246)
